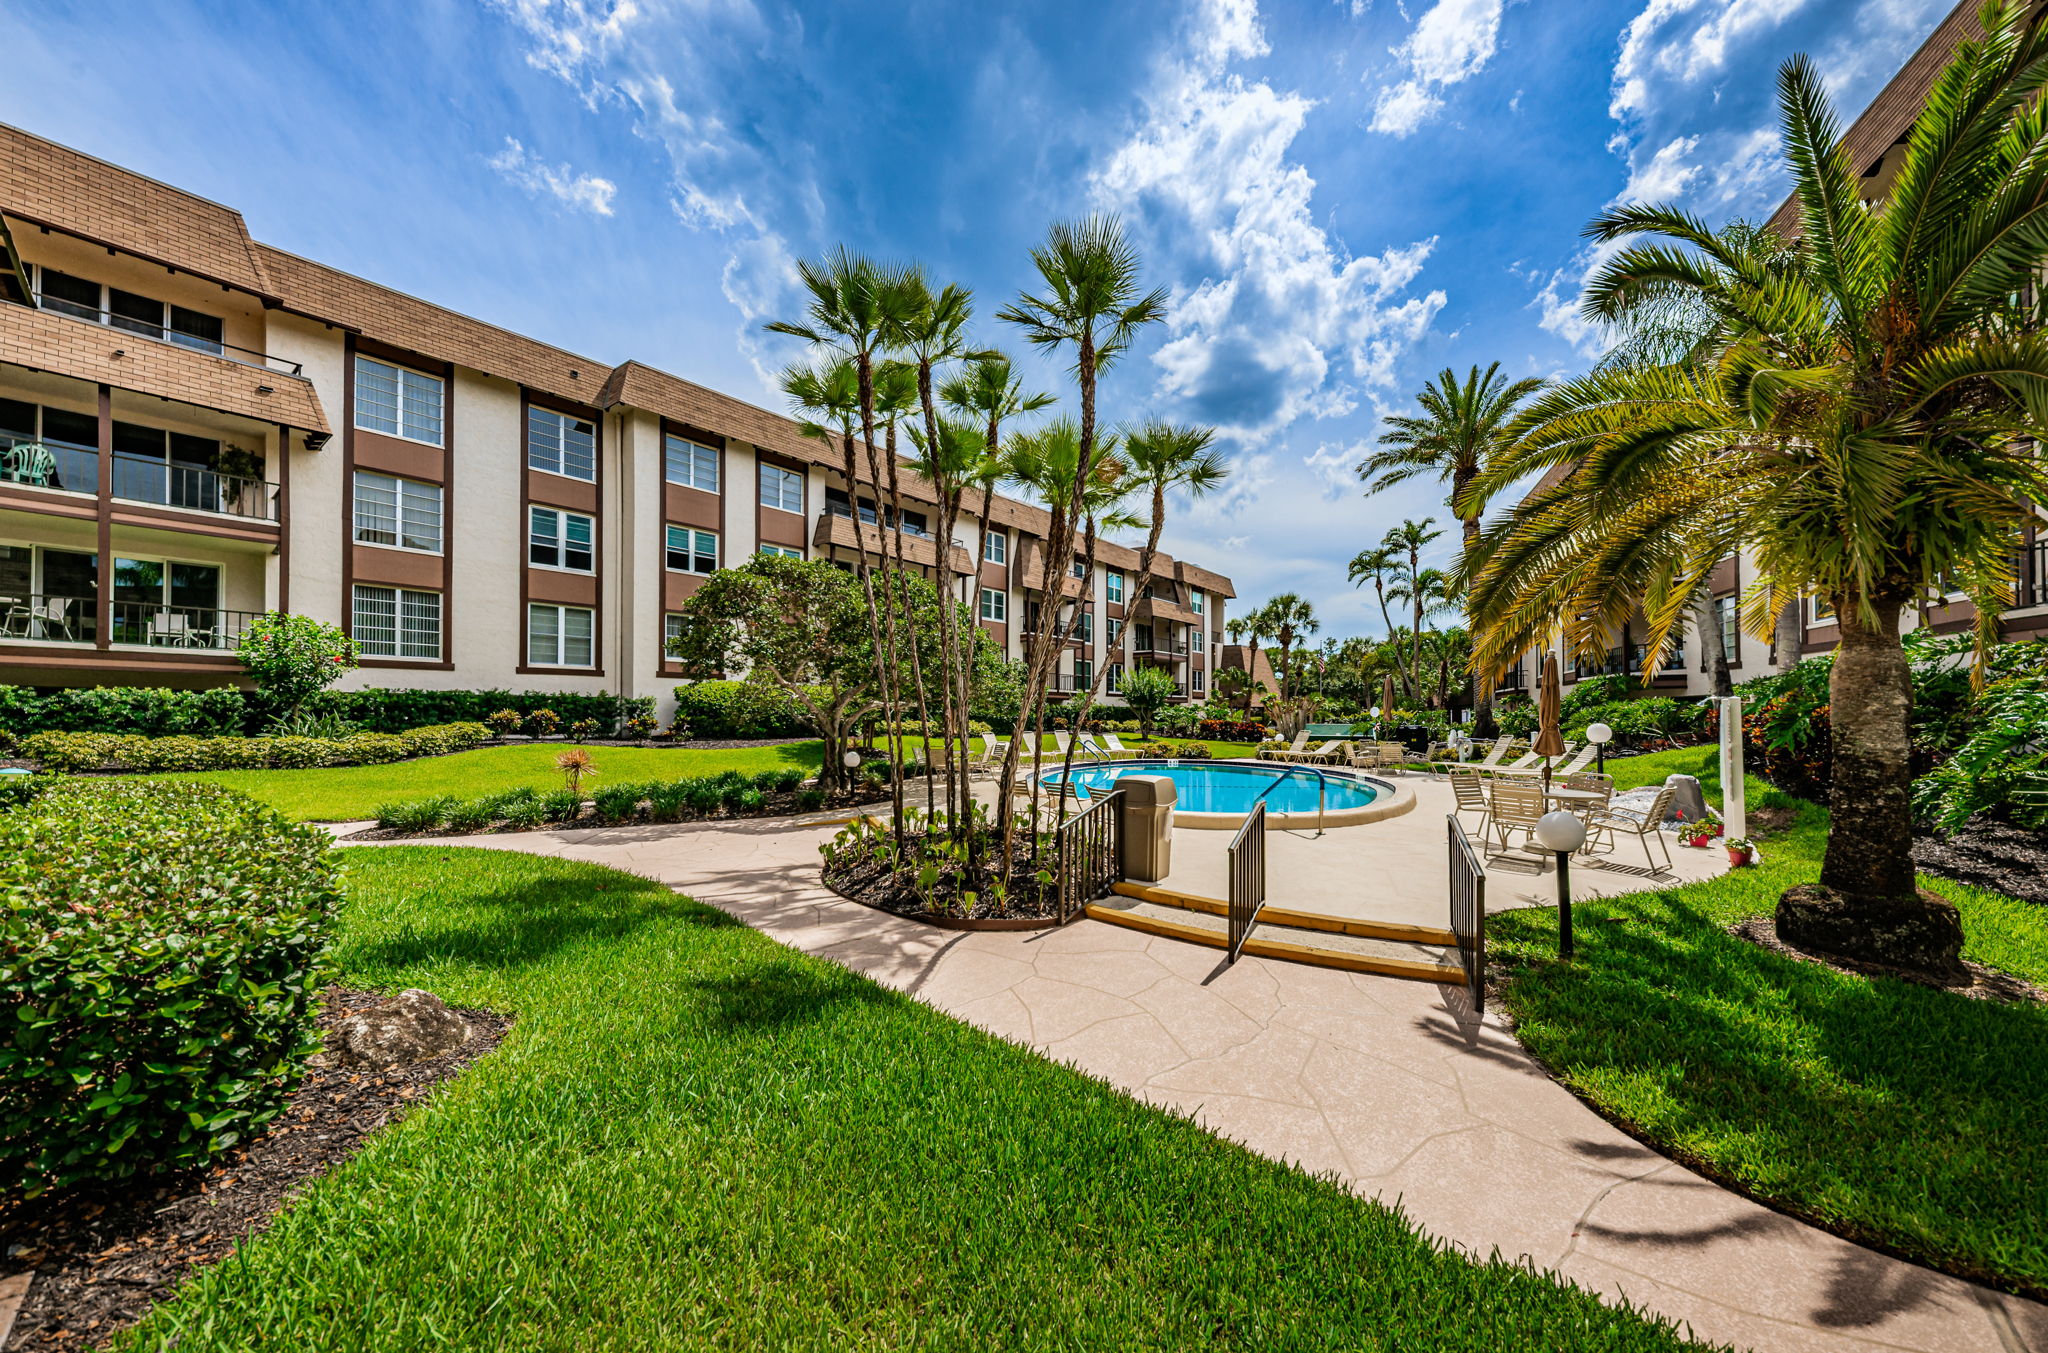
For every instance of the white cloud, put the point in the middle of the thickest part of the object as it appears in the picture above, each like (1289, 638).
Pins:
(585, 192)
(1684, 42)
(1273, 321)
(1451, 43)
(1665, 176)
(570, 36)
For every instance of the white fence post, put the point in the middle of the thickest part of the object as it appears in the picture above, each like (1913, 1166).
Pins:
(1734, 812)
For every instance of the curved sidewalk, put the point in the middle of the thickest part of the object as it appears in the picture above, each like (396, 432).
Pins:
(1391, 1085)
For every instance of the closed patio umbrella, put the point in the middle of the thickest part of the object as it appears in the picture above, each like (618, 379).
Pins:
(1549, 713)
(1386, 701)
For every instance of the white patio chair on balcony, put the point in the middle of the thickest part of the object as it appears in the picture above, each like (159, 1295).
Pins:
(169, 627)
(52, 620)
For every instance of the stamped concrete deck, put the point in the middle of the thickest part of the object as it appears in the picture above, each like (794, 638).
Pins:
(1392, 1086)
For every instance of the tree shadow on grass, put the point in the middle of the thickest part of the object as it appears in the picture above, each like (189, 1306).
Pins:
(779, 992)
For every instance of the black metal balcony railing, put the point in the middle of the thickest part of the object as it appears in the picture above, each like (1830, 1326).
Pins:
(53, 619)
(1629, 662)
(56, 305)
(140, 479)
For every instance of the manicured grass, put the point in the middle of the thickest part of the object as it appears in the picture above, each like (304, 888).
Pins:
(1891, 1112)
(344, 793)
(694, 1137)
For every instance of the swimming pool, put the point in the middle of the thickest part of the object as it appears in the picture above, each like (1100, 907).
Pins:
(1220, 793)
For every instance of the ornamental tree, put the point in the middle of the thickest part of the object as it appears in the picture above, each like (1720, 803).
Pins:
(292, 658)
(1146, 690)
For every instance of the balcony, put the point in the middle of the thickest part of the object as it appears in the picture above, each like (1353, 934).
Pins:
(43, 618)
(1158, 648)
(137, 479)
(2032, 573)
(142, 328)
(835, 530)
(1629, 662)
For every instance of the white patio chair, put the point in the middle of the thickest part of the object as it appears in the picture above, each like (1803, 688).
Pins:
(168, 627)
(1287, 752)
(1514, 806)
(1615, 823)
(1323, 755)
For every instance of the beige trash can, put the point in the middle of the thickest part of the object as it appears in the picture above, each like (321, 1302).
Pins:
(1147, 807)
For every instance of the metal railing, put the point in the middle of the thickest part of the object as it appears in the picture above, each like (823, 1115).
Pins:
(142, 479)
(49, 465)
(52, 618)
(2032, 589)
(1247, 876)
(1629, 662)
(142, 328)
(49, 618)
(1088, 854)
(1468, 912)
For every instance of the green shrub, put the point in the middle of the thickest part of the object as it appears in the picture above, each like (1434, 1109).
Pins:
(471, 815)
(543, 723)
(162, 947)
(524, 815)
(669, 801)
(738, 709)
(504, 722)
(71, 753)
(420, 815)
(638, 727)
(618, 803)
(583, 730)
(809, 799)
(703, 796)
(562, 805)
(152, 712)
(750, 801)
(733, 792)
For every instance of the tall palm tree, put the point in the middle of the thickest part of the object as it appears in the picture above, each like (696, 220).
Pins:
(1408, 540)
(985, 388)
(1866, 428)
(1450, 441)
(1286, 618)
(1163, 457)
(1377, 565)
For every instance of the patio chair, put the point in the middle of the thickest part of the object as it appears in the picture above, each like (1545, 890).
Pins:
(52, 620)
(1362, 755)
(1324, 755)
(1495, 752)
(1514, 805)
(1531, 764)
(1469, 790)
(1286, 752)
(168, 627)
(28, 463)
(1111, 742)
(1392, 755)
(1613, 823)
(991, 754)
(1087, 746)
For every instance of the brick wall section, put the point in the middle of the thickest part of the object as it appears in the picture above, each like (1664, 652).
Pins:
(44, 341)
(52, 185)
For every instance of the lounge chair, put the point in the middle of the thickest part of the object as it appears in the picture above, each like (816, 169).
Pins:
(1115, 744)
(1327, 754)
(1087, 746)
(1531, 763)
(1492, 757)
(1286, 752)
(1614, 823)
(991, 754)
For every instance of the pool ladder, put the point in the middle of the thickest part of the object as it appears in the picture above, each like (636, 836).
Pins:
(1322, 792)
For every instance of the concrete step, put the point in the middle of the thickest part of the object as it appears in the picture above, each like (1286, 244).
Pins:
(1292, 917)
(1296, 944)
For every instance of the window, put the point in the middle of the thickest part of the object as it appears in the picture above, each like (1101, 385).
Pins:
(1114, 582)
(559, 636)
(1084, 627)
(1113, 629)
(1823, 611)
(1198, 680)
(397, 402)
(560, 540)
(995, 604)
(397, 622)
(692, 551)
(1724, 608)
(1084, 674)
(1114, 679)
(782, 489)
(84, 299)
(402, 513)
(1078, 568)
(782, 551)
(1195, 601)
(914, 524)
(691, 464)
(995, 548)
(561, 445)
(671, 631)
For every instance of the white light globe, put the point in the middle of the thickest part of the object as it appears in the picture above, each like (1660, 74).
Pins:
(1598, 733)
(1560, 831)
(851, 759)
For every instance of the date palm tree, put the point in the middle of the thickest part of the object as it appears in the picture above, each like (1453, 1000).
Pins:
(1163, 457)
(1866, 427)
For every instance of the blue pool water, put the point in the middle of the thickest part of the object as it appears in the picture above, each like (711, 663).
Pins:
(1220, 788)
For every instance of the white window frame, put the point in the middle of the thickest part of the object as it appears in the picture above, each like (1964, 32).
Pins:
(564, 424)
(409, 511)
(694, 536)
(671, 630)
(403, 405)
(1113, 586)
(999, 613)
(560, 617)
(1815, 614)
(782, 551)
(1195, 600)
(162, 331)
(995, 548)
(1113, 679)
(671, 442)
(558, 537)
(1112, 630)
(1196, 677)
(783, 478)
(399, 598)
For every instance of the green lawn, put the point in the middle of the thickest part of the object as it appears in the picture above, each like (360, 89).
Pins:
(344, 793)
(1891, 1112)
(694, 1137)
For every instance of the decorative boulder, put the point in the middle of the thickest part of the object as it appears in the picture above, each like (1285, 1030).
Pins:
(413, 1026)
(1688, 804)
(1924, 935)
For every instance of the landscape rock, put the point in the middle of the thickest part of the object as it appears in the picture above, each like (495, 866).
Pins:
(413, 1026)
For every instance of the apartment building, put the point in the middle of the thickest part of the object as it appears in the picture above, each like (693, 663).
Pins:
(1874, 141)
(197, 427)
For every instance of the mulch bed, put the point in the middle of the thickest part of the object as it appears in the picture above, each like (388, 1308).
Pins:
(1983, 984)
(1994, 855)
(103, 1257)
(894, 891)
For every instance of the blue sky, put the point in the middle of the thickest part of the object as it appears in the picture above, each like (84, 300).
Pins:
(1343, 197)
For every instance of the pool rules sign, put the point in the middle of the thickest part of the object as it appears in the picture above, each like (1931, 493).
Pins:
(1734, 813)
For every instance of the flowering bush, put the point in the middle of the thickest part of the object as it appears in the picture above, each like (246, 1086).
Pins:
(291, 658)
(504, 722)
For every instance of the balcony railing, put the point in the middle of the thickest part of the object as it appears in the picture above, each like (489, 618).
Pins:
(143, 328)
(1629, 662)
(138, 479)
(56, 619)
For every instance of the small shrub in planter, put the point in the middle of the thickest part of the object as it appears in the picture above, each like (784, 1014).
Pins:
(809, 799)
(504, 722)
(1741, 851)
(162, 947)
(583, 730)
(543, 723)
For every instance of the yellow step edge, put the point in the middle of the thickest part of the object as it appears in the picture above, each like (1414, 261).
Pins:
(1297, 920)
(1412, 969)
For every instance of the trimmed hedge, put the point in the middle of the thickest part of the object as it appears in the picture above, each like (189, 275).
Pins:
(731, 792)
(162, 947)
(738, 709)
(150, 711)
(71, 753)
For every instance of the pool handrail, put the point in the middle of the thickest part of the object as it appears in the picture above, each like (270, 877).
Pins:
(1322, 791)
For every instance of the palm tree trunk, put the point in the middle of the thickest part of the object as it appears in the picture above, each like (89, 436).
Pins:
(1483, 725)
(1706, 618)
(1790, 635)
(1868, 905)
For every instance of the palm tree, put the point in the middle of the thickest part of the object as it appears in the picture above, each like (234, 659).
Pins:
(1408, 541)
(1866, 427)
(1162, 457)
(1451, 441)
(1379, 564)
(1286, 618)
(986, 389)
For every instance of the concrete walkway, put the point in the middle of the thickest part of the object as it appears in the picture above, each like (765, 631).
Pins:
(1392, 1086)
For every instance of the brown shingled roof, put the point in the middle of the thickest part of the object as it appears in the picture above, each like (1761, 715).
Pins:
(329, 294)
(53, 185)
